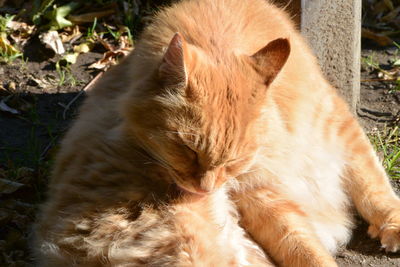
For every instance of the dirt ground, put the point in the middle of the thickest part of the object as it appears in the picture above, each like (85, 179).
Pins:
(46, 109)
(378, 107)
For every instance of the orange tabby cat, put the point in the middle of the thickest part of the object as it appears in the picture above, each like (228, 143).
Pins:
(221, 98)
(184, 232)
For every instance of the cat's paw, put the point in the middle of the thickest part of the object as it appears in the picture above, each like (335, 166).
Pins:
(389, 234)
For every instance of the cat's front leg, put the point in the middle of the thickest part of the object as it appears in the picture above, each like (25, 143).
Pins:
(388, 234)
(374, 198)
(281, 228)
(367, 183)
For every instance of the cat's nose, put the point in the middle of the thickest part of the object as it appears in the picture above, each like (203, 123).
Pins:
(207, 182)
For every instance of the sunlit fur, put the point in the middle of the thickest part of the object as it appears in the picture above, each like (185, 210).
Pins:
(209, 103)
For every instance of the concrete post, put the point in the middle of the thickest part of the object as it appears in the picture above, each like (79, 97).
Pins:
(333, 29)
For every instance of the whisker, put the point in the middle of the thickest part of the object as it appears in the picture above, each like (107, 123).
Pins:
(251, 171)
(182, 133)
(153, 158)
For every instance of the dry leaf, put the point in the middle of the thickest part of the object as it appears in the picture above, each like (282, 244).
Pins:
(4, 107)
(70, 34)
(125, 43)
(391, 15)
(20, 31)
(110, 57)
(380, 39)
(379, 8)
(53, 41)
(6, 47)
(106, 44)
(104, 63)
(83, 47)
(41, 83)
(8, 187)
(89, 17)
(71, 57)
(389, 4)
(392, 74)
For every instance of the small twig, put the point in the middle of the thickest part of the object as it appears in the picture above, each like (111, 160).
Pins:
(378, 80)
(86, 88)
(73, 40)
(47, 148)
(92, 82)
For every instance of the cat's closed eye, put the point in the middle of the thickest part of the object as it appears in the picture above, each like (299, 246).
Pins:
(190, 153)
(237, 166)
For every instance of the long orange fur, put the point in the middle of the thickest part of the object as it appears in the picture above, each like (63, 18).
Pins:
(220, 114)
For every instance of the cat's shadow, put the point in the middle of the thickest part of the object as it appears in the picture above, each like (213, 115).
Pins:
(364, 245)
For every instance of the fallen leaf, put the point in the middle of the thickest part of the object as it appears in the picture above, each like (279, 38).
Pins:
(109, 59)
(12, 86)
(104, 63)
(53, 41)
(19, 26)
(8, 187)
(379, 8)
(21, 32)
(107, 45)
(380, 39)
(6, 48)
(391, 15)
(70, 34)
(389, 4)
(4, 107)
(89, 17)
(391, 75)
(125, 42)
(25, 175)
(83, 47)
(71, 57)
(41, 83)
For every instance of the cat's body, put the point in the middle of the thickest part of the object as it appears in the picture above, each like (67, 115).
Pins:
(226, 99)
(183, 233)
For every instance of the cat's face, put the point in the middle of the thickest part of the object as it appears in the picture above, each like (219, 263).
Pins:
(202, 125)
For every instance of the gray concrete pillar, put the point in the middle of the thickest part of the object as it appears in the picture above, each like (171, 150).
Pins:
(333, 29)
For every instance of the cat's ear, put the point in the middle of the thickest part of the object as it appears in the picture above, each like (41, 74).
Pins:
(173, 69)
(271, 58)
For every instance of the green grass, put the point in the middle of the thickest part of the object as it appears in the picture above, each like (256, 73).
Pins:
(65, 75)
(387, 144)
(389, 75)
(8, 53)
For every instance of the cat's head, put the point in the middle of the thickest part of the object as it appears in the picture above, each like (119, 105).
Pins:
(198, 115)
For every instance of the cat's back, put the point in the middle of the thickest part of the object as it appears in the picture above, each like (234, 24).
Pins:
(217, 27)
